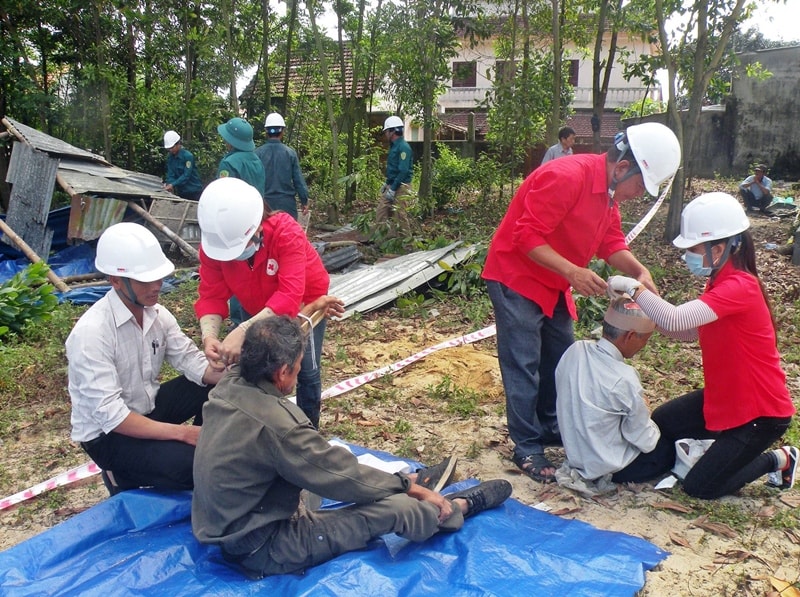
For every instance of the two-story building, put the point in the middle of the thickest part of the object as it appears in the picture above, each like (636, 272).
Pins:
(475, 70)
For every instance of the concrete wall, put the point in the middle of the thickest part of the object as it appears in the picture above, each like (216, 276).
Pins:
(766, 114)
(759, 122)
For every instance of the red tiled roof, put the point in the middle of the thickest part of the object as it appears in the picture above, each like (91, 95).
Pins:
(460, 121)
(581, 122)
(305, 78)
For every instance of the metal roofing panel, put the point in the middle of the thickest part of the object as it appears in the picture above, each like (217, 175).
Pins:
(94, 168)
(45, 142)
(86, 184)
(372, 286)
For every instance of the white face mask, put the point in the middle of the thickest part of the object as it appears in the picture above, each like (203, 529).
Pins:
(694, 262)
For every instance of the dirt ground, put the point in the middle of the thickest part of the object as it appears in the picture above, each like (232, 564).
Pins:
(705, 558)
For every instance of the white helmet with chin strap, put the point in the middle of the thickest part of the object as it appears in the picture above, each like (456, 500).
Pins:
(656, 151)
(229, 212)
(710, 217)
(129, 250)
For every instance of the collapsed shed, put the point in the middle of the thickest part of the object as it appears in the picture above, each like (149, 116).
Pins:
(100, 195)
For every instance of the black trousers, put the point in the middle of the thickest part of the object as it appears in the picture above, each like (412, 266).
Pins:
(735, 458)
(751, 202)
(163, 464)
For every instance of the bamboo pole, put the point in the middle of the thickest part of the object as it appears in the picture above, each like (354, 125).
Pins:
(186, 247)
(32, 256)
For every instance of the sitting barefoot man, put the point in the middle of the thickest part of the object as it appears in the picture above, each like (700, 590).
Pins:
(258, 450)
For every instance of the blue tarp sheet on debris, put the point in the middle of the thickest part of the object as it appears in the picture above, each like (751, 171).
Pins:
(141, 542)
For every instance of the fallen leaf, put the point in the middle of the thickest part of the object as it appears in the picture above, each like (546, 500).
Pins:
(734, 556)
(766, 512)
(793, 536)
(70, 511)
(786, 589)
(672, 506)
(365, 423)
(790, 499)
(718, 528)
(678, 539)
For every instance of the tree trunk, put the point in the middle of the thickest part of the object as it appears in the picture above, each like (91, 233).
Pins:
(326, 87)
(101, 65)
(554, 122)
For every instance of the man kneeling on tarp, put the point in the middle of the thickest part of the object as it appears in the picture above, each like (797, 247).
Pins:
(258, 450)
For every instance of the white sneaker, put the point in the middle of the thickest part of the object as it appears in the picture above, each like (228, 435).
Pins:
(786, 478)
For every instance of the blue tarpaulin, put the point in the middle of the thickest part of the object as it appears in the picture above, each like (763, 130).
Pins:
(141, 542)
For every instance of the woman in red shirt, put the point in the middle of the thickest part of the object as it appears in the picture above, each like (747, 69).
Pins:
(264, 259)
(745, 405)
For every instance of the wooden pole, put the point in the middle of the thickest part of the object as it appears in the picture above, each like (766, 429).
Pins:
(186, 247)
(31, 254)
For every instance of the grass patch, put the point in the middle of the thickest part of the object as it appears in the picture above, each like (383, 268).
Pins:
(457, 400)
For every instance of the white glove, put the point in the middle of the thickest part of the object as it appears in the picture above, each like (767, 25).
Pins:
(389, 194)
(619, 285)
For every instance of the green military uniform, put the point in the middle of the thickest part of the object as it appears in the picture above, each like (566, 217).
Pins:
(182, 175)
(244, 165)
(398, 178)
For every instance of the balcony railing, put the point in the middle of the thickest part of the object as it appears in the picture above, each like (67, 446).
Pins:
(469, 97)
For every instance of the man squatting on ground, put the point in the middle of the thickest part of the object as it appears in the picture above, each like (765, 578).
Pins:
(129, 424)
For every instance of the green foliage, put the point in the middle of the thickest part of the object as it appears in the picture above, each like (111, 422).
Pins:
(457, 400)
(413, 304)
(643, 107)
(591, 308)
(451, 175)
(464, 279)
(25, 298)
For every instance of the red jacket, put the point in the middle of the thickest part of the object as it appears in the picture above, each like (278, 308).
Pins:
(564, 204)
(287, 272)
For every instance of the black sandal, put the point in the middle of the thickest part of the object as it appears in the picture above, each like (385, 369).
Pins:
(532, 465)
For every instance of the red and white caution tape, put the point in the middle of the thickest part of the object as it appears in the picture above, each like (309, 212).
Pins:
(90, 468)
(76, 474)
(649, 215)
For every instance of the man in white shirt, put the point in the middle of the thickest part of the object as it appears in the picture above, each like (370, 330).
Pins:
(123, 418)
(604, 420)
(566, 139)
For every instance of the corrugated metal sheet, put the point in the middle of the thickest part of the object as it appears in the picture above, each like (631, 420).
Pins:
(90, 216)
(373, 286)
(84, 183)
(44, 142)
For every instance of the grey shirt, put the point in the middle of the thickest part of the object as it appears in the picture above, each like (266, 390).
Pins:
(603, 419)
(556, 151)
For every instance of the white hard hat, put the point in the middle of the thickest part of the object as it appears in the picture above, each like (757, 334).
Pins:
(393, 122)
(711, 216)
(229, 213)
(170, 139)
(274, 120)
(130, 250)
(657, 152)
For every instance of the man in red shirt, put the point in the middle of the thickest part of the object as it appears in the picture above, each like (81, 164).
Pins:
(563, 214)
